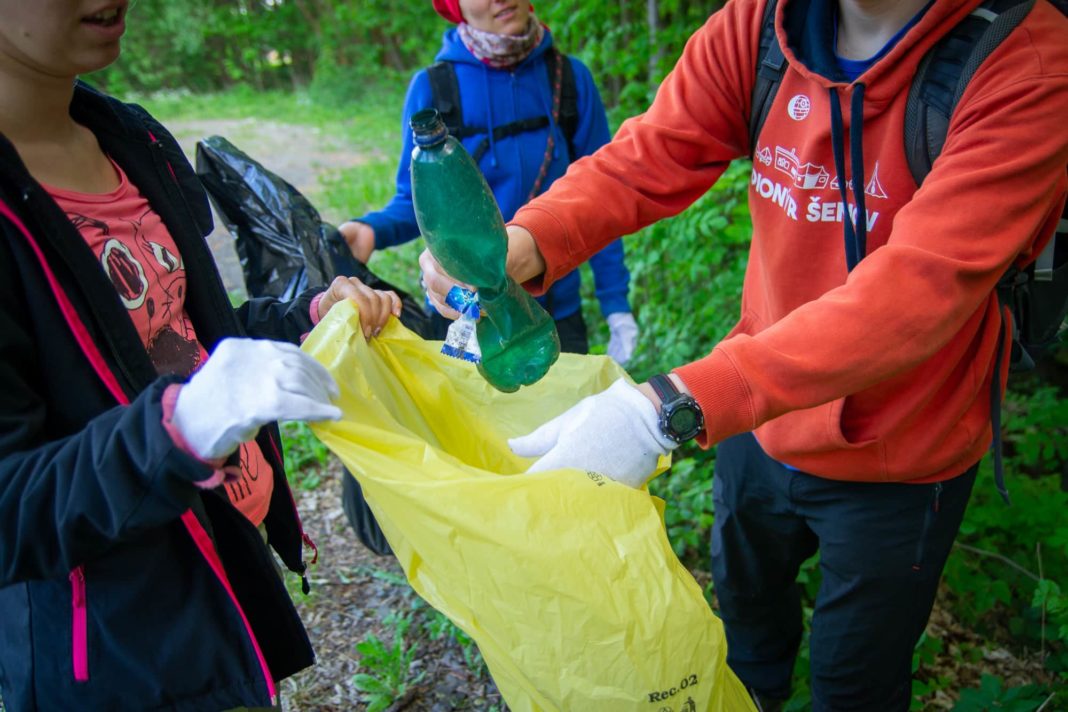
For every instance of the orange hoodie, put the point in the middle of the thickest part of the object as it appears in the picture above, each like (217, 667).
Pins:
(882, 373)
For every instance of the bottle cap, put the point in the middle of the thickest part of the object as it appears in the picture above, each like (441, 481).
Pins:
(428, 128)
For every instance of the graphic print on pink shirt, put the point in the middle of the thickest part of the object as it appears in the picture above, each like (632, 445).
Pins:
(141, 259)
(149, 277)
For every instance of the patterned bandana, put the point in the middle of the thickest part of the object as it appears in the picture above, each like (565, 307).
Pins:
(501, 51)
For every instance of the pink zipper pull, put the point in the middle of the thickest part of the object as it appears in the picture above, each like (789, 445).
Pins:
(79, 625)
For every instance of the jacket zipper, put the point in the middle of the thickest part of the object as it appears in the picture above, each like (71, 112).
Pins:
(79, 625)
(77, 576)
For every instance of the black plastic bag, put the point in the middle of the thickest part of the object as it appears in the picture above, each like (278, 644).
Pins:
(278, 234)
(361, 518)
(282, 243)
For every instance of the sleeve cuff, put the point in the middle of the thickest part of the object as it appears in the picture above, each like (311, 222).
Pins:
(557, 254)
(614, 305)
(723, 395)
(221, 471)
(314, 308)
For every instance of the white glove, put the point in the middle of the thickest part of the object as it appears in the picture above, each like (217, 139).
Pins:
(246, 384)
(614, 433)
(624, 337)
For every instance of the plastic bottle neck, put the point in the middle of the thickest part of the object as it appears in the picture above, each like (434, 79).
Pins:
(428, 129)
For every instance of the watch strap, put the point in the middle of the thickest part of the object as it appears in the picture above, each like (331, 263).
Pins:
(663, 387)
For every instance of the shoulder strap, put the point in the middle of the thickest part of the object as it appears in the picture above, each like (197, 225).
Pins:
(944, 73)
(569, 115)
(936, 89)
(445, 95)
(770, 68)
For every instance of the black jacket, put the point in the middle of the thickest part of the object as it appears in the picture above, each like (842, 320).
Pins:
(122, 586)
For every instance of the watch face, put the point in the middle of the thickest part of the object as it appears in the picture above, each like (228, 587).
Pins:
(683, 421)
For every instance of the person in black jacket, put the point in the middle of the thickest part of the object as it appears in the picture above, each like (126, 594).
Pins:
(139, 478)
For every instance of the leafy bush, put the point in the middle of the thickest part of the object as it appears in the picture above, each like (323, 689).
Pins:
(991, 695)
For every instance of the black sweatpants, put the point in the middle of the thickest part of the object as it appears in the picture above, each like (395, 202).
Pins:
(882, 549)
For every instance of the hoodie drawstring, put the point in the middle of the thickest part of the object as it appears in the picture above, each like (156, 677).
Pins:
(855, 223)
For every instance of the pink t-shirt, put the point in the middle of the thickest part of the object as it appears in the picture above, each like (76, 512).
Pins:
(139, 256)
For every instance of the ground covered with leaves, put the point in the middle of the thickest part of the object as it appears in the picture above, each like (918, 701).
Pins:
(364, 620)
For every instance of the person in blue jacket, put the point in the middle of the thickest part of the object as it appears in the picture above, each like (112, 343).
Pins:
(499, 52)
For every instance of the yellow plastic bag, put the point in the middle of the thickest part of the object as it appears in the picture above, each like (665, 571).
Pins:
(564, 579)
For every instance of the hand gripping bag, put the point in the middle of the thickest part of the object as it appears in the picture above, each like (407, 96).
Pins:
(564, 579)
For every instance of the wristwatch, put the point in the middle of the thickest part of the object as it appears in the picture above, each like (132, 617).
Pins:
(681, 418)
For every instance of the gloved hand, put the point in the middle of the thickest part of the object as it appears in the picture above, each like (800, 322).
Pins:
(614, 433)
(246, 384)
(624, 336)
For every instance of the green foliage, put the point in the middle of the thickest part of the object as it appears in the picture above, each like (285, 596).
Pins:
(1033, 532)
(388, 665)
(925, 654)
(687, 489)
(1037, 425)
(991, 695)
(304, 454)
(436, 626)
(334, 46)
(631, 55)
(339, 49)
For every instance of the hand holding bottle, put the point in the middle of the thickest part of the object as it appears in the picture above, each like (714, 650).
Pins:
(438, 284)
(523, 262)
(459, 218)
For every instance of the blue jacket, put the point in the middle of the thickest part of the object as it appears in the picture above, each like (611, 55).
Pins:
(495, 97)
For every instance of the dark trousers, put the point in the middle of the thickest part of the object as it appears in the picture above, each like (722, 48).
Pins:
(572, 331)
(882, 549)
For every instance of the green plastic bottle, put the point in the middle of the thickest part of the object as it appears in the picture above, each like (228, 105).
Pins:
(459, 218)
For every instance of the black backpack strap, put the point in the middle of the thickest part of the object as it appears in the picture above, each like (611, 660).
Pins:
(512, 129)
(944, 73)
(445, 96)
(770, 68)
(937, 87)
(569, 114)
